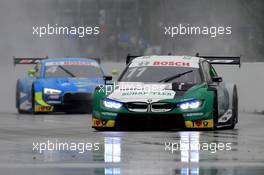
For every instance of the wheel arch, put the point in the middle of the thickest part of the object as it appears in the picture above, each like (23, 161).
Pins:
(23, 85)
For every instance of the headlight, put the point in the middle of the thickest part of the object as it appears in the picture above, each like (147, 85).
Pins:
(112, 103)
(51, 91)
(194, 104)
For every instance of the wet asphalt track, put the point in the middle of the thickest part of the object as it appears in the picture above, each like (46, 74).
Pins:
(126, 152)
(120, 152)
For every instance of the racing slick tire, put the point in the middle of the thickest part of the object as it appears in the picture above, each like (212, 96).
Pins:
(20, 111)
(234, 118)
(33, 100)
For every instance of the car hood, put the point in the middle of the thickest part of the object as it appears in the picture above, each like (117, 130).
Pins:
(72, 84)
(142, 92)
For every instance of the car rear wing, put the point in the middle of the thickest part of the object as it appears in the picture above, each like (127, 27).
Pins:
(229, 60)
(27, 60)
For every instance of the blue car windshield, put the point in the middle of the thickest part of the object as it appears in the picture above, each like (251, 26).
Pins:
(71, 70)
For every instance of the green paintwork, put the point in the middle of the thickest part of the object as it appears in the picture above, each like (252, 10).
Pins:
(196, 92)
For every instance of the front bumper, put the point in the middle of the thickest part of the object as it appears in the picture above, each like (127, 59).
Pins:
(150, 121)
(69, 102)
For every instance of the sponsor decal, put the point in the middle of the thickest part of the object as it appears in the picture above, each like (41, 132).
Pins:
(224, 118)
(200, 124)
(79, 84)
(66, 84)
(43, 108)
(193, 114)
(27, 61)
(101, 123)
(172, 63)
(74, 63)
(84, 84)
(147, 93)
(53, 97)
(128, 92)
(184, 62)
(109, 113)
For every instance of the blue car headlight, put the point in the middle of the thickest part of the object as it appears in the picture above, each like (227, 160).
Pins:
(193, 104)
(108, 103)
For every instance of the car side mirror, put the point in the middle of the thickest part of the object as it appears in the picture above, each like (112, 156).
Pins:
(107, 78)
(181, 86)
(114, 72)
(217, 79)
(31, 72)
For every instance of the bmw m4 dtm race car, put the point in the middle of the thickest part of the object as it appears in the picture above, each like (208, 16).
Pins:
(58, 85)
(168, 92)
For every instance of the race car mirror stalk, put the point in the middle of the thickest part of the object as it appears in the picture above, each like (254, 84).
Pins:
(107, 78)
(176, 86)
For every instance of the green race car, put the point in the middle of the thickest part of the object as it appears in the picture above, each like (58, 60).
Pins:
(167, 92)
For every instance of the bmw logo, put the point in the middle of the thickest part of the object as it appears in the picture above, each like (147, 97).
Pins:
(150, 100)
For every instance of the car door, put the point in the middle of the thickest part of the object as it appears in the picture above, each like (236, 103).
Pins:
(221, 91)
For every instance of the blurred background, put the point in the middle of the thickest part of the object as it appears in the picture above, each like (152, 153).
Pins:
(131, 26)
(136, 27)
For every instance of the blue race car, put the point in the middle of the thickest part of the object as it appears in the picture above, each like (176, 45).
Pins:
(58, 85)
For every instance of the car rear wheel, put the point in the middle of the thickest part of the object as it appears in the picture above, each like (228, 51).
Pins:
(18, 98)
(33, 100)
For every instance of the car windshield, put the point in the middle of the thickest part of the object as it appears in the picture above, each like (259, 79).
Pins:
(162, 74)
(72, 70)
